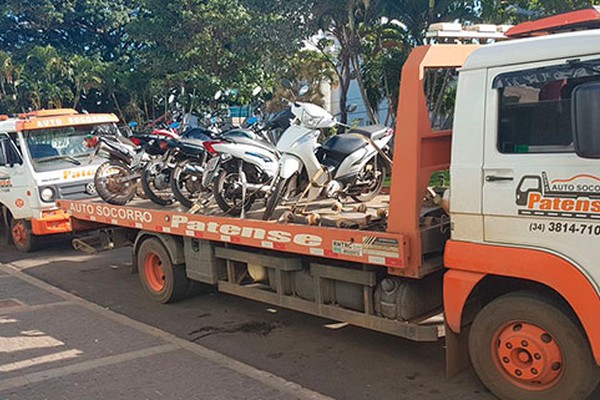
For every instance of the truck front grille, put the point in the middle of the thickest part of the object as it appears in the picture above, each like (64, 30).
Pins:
(76, 191)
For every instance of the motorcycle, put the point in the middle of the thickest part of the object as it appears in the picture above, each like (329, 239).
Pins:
(235, 165)
(246, 165)
(349, 164)
(117, 180)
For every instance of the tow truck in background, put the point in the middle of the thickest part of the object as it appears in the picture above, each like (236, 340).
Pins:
(520, 292)
(43, 158)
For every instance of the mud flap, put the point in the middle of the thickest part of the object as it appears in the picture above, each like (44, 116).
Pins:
(457, 351)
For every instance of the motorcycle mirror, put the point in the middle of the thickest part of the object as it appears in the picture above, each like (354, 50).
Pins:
(171, 99)
(351, 108)
(303, 90)
(256, 91)
(218, 95)
(287, 84)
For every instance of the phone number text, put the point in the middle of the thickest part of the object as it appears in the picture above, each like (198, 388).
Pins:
(565, 227)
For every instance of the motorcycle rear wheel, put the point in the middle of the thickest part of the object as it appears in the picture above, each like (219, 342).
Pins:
(228, 204)
(114, 192)
(375, 186)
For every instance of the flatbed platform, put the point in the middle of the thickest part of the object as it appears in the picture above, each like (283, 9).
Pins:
(348, 233)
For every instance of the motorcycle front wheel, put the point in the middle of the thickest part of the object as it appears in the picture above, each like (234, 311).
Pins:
(186, 186)
(275, 198)
(114, 183)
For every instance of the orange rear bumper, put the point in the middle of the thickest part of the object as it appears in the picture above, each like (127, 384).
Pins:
(52, 222)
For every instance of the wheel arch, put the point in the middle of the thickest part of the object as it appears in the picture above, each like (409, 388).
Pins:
(172, 244)
(480, 273)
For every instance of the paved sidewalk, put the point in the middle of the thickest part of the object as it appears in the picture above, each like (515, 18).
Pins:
(54, 345)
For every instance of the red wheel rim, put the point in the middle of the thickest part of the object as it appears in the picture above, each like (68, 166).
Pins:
(19, 233)
(528, 356)
(154, 272)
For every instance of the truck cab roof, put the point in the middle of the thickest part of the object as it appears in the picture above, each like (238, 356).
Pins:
(530, 50)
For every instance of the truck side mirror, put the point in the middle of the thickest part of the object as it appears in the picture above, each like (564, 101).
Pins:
(585, 116)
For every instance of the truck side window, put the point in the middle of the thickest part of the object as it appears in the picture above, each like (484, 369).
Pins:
(535, 109)
(9, 154)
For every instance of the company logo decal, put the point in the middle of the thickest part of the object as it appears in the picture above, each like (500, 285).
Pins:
(574, 197)
(20, 203)
(90, 189)
(78, 173)
(5, 182)
(231, 230)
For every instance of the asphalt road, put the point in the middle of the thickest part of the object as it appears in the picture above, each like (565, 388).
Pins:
(346, 363)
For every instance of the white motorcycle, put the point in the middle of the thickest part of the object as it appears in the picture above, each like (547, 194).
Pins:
(351, 164)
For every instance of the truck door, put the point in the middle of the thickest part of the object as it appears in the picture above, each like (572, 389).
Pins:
(13, 178)
(537, 192)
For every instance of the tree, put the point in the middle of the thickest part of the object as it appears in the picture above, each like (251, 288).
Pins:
(384, 52)
(418, 15)
(341, 20)
(85, 27)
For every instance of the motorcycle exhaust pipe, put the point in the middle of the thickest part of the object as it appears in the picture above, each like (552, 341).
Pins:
(193, 169)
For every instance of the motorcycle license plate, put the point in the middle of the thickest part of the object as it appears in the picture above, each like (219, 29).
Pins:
(209, 172)
(212, 164)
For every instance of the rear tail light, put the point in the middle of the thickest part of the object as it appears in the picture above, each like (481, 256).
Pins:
(209, 147)
(136, 141)
(91, 142)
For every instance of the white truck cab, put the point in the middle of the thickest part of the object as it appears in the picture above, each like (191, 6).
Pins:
(44, 158)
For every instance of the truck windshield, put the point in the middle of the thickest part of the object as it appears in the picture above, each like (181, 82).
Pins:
(58, 148)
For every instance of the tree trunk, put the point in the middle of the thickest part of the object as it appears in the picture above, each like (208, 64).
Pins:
(373, 117)
(114, 97)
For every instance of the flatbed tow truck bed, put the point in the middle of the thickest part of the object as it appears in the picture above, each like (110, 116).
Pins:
(275, 245)
(344, 233)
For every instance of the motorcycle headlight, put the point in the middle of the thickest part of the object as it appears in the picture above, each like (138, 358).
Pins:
(48, 194)
(310, 121)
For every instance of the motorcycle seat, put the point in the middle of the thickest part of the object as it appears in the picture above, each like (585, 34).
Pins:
(343, 144)
(192, 146)
(250, 138)
(372, 131)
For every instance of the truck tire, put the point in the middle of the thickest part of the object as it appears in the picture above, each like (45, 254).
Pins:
(525, 347)
(162, 281)
(22, 236)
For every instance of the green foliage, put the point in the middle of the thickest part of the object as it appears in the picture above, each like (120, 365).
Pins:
(130, 56)
(515, 11)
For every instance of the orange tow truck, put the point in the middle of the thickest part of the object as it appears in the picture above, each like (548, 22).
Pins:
(43, 158)
(518, 282)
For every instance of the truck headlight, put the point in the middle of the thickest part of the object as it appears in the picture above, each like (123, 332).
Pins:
(48, 194)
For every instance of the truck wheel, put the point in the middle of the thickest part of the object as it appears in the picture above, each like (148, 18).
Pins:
(162, 281)
(524, 347)
(22, 236)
